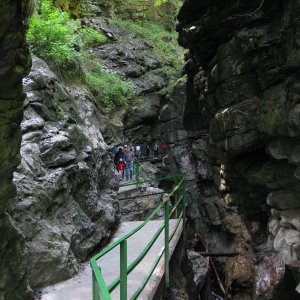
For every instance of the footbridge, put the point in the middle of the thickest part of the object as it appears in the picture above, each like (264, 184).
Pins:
(136, 265)
(132, 279)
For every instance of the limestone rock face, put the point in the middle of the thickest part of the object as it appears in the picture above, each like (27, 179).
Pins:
(135, 10)
(187, 153)
(243, 88)
(66, 198)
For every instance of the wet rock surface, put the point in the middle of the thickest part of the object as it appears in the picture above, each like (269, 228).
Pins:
(66, 190)
(242, 88)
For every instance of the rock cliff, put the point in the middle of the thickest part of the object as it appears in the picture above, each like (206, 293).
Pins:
(66, 190)
(133, 52)
(134, 10)
(243, 90)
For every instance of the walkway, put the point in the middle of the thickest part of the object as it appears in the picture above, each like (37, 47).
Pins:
(80, 286)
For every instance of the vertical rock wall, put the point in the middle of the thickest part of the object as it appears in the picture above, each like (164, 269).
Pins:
(66, 190)
(243, 87)
(187, 153)
(134, 10)
(14, 64)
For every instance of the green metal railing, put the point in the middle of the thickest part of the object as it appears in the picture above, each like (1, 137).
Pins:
(103, 291)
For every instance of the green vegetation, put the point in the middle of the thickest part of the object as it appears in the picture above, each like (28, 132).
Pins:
(111, 87)
(163, 44)
(177, 3)
(50, 34)
(54, 36)
(66, 45)
(90, 36)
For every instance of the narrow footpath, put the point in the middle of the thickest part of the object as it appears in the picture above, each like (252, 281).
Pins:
(80, 286)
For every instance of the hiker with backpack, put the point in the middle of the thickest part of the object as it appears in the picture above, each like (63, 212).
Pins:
(129, 158)
(119, 161)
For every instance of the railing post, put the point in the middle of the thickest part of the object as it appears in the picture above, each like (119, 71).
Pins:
(184, 213)
(123, 270)
(137, 172)
(167, 212)
(96, 295)
(176, 196)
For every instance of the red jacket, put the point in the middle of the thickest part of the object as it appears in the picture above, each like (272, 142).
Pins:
(121, 165)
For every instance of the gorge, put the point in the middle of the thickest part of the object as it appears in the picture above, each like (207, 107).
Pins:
(231, 120)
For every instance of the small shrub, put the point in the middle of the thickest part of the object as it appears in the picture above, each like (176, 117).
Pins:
(51, 34)
(111, 88)
(90, 36)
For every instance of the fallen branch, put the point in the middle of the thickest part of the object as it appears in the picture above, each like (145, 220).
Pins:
(204, 242)
(217, 254)
(218, 277)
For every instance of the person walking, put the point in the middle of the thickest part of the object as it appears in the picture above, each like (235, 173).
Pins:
(129, 157)
(138, 152)
(119, 157)
(121, 167)
(164, 147)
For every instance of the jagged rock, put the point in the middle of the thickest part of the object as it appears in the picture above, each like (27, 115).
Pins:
(298, 288)
(188, 153)
(274, 226)
(284, 199)
(288, 219)
(273, 174)
(234, 129)
(32, 124)
(66, 189)
(285, 149)
(198, 273)
(269, 272)
(287, 243)
(55, 151)
(242, 84)
(145, 111)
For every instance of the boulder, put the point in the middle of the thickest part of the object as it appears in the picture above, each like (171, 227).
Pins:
(287, 243)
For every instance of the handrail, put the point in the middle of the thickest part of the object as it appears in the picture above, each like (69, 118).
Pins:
(154, 179)
(141, 196)
(99, 285)
(128, 235)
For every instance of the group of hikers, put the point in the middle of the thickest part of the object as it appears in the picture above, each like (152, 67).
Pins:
(124, 157)
(123, 160)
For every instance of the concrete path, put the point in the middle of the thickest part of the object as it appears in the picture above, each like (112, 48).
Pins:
(80, 286)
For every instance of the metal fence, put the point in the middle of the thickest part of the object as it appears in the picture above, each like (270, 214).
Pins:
(103, 291)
